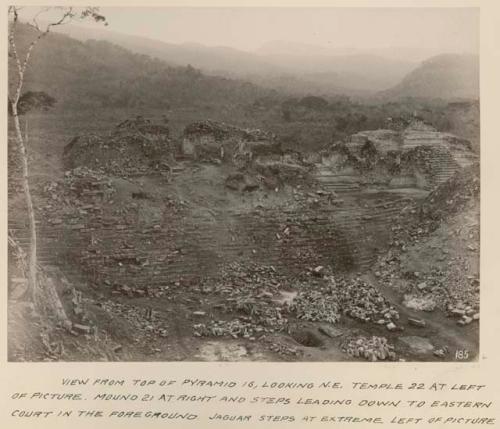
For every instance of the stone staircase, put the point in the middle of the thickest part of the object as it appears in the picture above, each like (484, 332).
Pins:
(336, 182)
(347, 238)
(443, 167)
(412, 139)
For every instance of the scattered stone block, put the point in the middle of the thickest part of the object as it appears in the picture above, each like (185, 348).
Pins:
(419, 323)
(330, 331)
(82, 329)
(318, 271)
(422, 286)
(418, 345)
(457, 312)
(68, 325)
(440, 353)
(391, 326)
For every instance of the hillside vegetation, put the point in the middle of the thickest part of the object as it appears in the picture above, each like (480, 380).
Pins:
(292, 67)
(100, 74)
(444, 76)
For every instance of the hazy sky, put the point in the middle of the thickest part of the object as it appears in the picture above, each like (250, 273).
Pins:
(427, 29)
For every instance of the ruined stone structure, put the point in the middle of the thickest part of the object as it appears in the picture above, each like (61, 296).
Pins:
(219, 141)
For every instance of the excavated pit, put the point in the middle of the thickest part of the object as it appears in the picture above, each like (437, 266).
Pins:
(307, 338)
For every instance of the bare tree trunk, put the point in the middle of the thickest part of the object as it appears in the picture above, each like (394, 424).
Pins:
(68, 14)
(32, 256)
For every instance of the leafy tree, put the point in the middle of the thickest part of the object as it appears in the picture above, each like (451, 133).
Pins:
(21, 60)
(33, 100)
(314, 102)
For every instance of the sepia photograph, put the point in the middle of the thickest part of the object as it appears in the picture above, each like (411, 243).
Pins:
(243, 184)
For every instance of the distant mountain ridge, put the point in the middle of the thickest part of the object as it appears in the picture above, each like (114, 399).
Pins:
(348, 74)
(98, 73)
(447, 76)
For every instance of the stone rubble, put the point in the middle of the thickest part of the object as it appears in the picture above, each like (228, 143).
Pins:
(450, 286)
(343, 296)
(252, 294)
(133, 147)
(247, 294)
(372, 349)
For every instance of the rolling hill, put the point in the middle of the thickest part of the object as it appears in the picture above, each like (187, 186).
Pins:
(302, 69)
(447, 76)
(101, 74)
(98, 73)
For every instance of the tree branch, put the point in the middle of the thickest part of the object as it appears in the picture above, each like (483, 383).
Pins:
(13, 47)
(68, 14)
(12, 31)
(43, 10)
